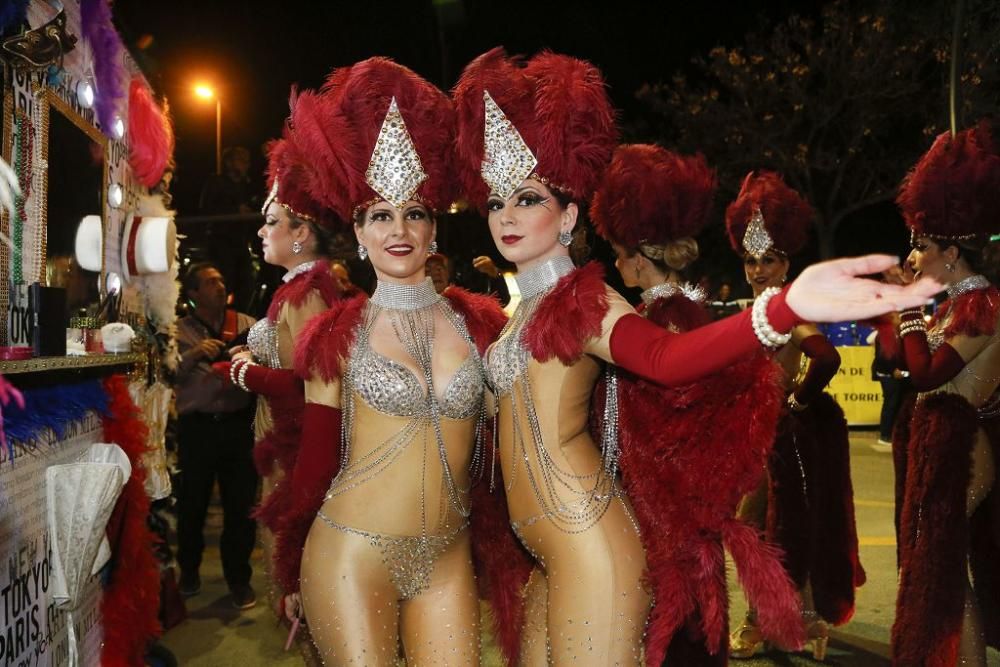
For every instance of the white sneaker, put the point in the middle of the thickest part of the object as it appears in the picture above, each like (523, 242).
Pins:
(882, 446)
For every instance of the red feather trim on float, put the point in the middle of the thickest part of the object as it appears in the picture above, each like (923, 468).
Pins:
(131, 599)
(151, 136)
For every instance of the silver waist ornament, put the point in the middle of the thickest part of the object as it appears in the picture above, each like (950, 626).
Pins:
(572, 502)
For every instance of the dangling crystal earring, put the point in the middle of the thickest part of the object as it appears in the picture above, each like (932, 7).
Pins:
(362, 252)
(565, 238)
(950, 267)
(432, 248)
(296, 247)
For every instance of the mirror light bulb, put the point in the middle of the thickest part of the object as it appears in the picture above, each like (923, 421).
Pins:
(118, 127)
(115, 195)
(85, 94)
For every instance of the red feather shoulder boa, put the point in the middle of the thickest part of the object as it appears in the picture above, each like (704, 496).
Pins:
(299, 288)
(568, 316)
(971, 314)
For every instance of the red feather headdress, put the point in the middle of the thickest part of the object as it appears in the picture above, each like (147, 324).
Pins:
(767, 204)
(563, 124)
(953, 191)
(333, 145)
(651, 195)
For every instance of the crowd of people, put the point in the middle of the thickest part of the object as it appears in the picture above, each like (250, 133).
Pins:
(581, 465)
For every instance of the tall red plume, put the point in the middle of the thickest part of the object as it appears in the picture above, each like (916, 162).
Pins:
(354, 101)
(151, 135)
(575, 130)
(787, 215)
(954, 189)
(558, 104)
(506, 83)
(652, 195)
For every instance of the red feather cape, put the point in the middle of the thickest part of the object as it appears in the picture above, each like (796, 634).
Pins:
(280, 444)
(685, 470)
(932, 443)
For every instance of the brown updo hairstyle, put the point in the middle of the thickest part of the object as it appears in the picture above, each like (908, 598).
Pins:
(323, 235)
(673, 256)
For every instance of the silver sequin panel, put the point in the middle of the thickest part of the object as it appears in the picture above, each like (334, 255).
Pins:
(391, 388)
(262, 339)
(506, 361)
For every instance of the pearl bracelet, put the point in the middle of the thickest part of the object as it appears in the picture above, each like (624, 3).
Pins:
(241, 379)
(766, 334)
(233, 367)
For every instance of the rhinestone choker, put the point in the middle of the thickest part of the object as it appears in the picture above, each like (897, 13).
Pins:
(663, 290)
(299, 270)
(395, 296)
(543, 277)
(967, 285)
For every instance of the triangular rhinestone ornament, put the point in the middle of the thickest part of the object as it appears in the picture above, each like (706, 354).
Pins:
(756, 240)
(395, 171)
(272, 196)
(507, 160)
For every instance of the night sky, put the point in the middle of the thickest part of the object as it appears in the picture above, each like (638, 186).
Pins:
(255, 51)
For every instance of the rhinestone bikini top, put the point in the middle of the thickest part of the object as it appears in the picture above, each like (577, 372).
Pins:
(390, 387)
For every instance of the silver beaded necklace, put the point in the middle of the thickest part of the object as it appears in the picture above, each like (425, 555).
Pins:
(664, 290)
(967, 285)
(297, 271)
(543, 277)
(396, 296)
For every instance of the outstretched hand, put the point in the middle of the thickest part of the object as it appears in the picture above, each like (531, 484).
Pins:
(834, 291)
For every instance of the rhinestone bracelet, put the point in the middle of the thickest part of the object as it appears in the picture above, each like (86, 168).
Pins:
(766, 334)
(912, 326)
(794, 405)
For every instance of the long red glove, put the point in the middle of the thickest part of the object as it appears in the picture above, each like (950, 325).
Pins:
(929, 372)
(317, 463)
(672, 359)
(262, 380)
(824, 360)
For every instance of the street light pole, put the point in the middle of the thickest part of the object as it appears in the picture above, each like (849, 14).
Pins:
(218, 135)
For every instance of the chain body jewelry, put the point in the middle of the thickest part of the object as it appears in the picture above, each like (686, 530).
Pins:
(388, 386)
(570, 501)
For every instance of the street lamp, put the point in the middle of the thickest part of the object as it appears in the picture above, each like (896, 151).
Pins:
(205, 92)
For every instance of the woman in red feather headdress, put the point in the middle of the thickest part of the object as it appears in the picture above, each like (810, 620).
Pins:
(392, 426)
(297, 235)
(650, 205)
(806, 502)
(533, 140)
(946, 450)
